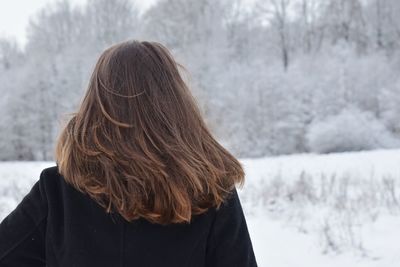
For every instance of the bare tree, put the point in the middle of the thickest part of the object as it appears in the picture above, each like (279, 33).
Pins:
(310, 30)
(345, 22)
(276, 14)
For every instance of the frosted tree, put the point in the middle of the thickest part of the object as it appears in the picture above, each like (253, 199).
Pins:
(10, 54)
(265, 75)
(310, 30)
(383, 24)
(345, 21)
(277, 14)
(13, 133)
(110, 21)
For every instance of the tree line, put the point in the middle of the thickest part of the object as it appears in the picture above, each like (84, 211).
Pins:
(273, 77)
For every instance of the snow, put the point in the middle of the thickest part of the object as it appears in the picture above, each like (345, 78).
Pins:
(365, 164)
(294, 233)
(282, 242)
(279, 245)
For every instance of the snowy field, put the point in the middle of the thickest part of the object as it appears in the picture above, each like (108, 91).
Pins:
(302, 210)
(325, 210)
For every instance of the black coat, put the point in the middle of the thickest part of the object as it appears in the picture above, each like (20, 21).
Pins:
(56, 225)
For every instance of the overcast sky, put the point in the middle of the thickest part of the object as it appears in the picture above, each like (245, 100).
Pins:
(14, 14)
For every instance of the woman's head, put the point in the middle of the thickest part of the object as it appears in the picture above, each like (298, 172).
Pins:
(138, 144)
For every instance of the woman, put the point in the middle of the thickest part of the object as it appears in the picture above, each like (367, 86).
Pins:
(139, 180)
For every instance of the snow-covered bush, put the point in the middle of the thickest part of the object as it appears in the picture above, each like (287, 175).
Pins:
(350, 130)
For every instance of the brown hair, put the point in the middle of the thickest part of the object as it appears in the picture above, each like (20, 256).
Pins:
(138, 144)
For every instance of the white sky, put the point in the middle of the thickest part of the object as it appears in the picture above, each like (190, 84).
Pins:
(14, 15)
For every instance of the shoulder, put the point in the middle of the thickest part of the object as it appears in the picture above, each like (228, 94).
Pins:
(49, 177)
(52, 183)
(229, 233)
(231, 203)
(60, 196)
(229, 213)
(51, 171)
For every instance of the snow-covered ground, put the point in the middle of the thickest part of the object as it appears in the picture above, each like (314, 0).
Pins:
(324, 210)
(301, 210)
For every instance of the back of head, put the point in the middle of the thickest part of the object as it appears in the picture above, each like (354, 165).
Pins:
(138, 144)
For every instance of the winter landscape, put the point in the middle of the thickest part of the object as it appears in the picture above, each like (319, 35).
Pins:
(306, 93)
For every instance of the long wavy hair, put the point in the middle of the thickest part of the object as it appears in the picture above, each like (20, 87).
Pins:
(138, 144)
